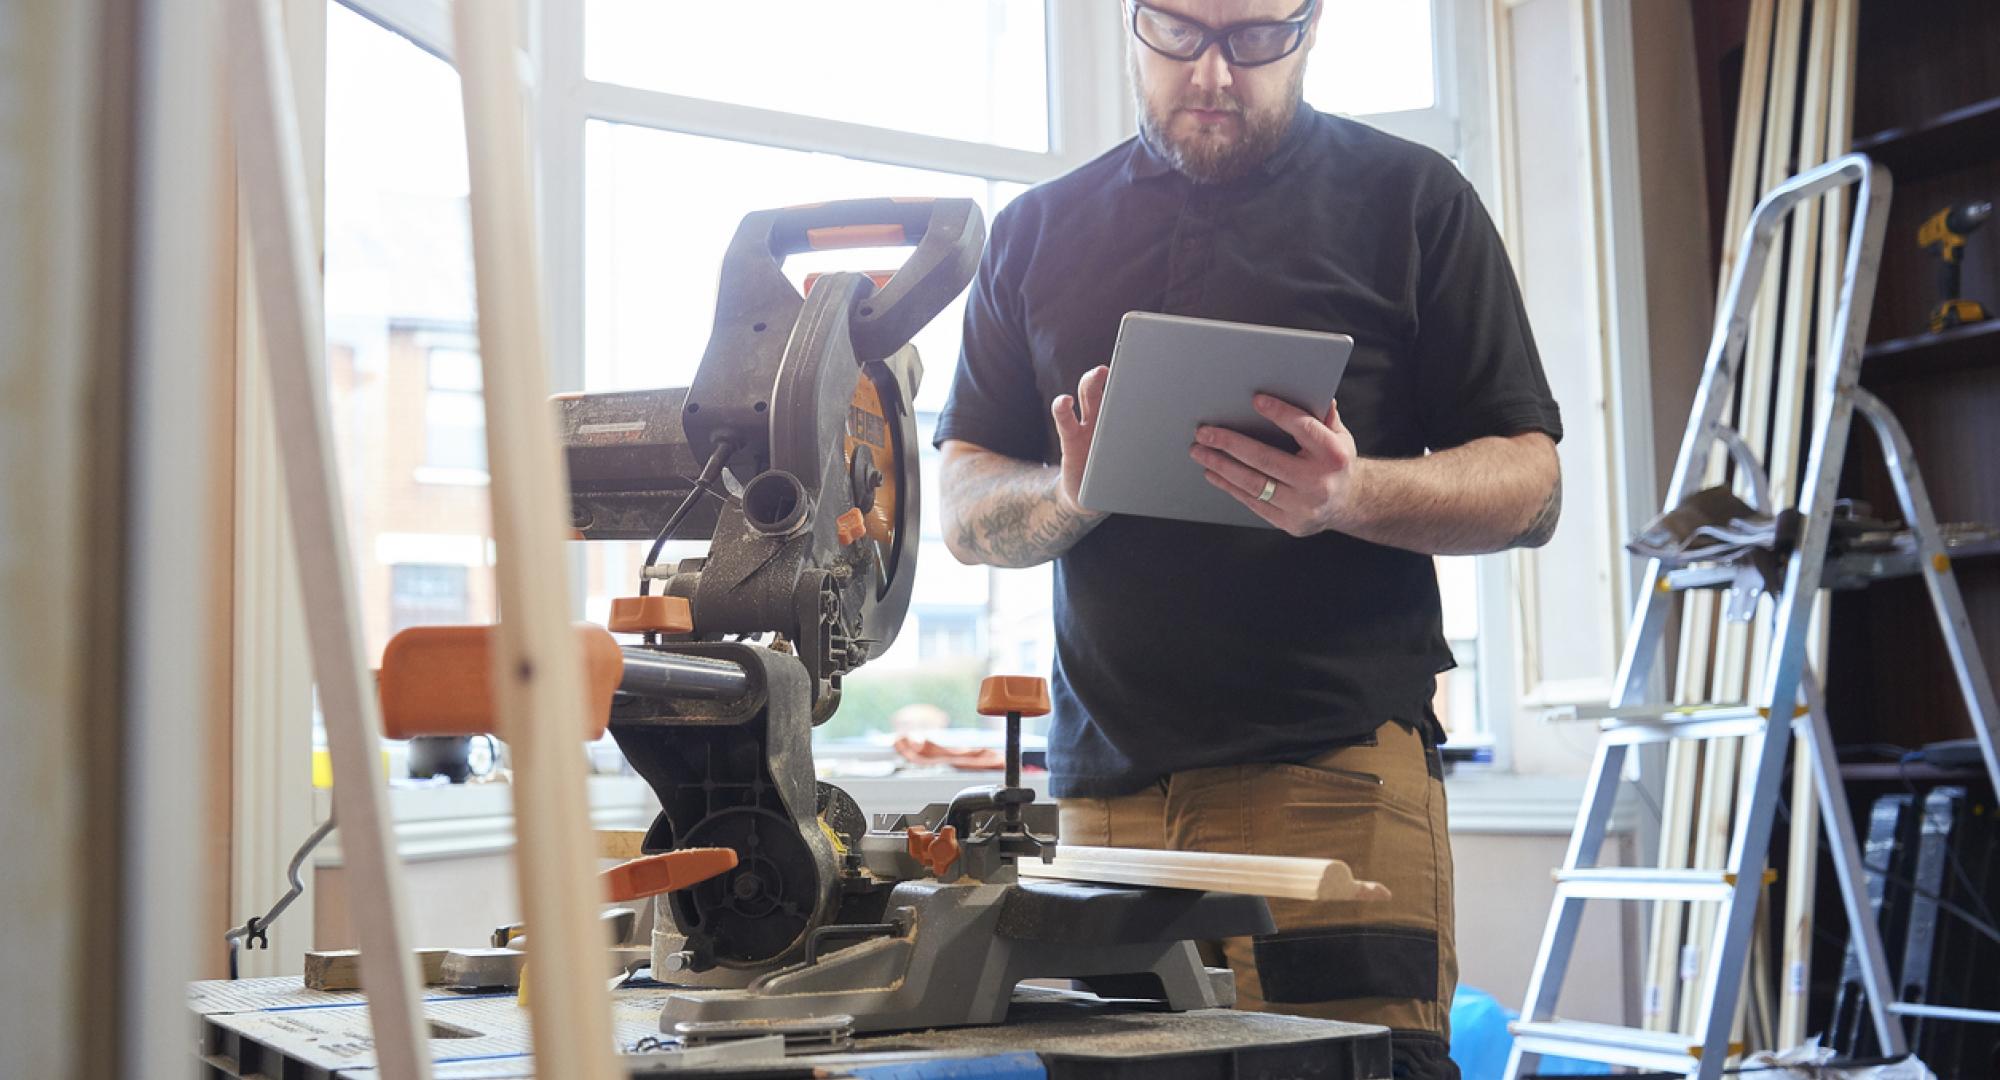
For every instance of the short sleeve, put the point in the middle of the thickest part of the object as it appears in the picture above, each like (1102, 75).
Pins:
(994, 403)
(1479, 373)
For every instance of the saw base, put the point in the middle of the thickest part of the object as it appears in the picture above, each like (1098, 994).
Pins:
(966, 947)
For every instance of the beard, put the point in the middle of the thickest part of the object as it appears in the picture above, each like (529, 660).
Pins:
(1208, 155)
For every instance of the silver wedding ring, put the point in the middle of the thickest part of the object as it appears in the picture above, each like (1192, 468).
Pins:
(1270, 488)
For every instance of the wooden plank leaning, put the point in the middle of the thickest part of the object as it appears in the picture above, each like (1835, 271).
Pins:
(538, 685)
(1688, 766)
(1799, 341)
(271, 171)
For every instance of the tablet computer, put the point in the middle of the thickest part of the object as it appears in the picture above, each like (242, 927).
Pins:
(1171, 374)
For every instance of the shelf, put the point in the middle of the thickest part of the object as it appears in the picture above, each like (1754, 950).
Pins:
(1948, 141)
(1853, 569)
(1966, 346)
(1916, 772)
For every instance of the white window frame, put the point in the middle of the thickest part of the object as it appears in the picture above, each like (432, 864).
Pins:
(1090, 109)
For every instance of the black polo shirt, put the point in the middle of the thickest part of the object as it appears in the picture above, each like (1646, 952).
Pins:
(1182, 645)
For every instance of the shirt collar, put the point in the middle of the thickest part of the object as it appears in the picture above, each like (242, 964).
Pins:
(1146, 162)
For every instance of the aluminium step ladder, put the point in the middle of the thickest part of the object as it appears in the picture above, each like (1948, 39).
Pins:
(1786, 689)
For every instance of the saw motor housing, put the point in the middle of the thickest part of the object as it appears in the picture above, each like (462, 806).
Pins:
(794, 451)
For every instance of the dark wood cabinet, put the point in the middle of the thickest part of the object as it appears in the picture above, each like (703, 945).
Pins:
(1927, 105)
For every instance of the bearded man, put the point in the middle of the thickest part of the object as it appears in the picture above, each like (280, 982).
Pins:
(1261, 690)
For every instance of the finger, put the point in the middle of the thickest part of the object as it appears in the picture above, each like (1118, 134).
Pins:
(1313, 436)
(1333, 423)
(1241, 477)
(1272, 462)
(1091, 390)
(1063, 408)
(1263, 510)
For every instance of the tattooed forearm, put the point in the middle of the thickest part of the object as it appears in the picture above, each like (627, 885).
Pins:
(1001, 511)
(1543, 526)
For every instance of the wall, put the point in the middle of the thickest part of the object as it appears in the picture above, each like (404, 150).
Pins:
(1680, 284)
(1504, 893)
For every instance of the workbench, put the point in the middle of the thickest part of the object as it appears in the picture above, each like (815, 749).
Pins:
(274, 1027)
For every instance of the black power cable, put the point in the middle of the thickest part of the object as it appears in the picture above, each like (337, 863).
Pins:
(703, 484)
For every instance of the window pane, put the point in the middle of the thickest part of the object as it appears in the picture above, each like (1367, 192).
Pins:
(455, 369)
(1457, 699)
(423, 594)
(974, 70)
(454, 430)
(402, 383)
(1373, 58)
(661, 209)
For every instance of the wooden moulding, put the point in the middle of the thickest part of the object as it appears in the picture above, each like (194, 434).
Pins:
(538, 677)
(271, 169)
(1279, 877)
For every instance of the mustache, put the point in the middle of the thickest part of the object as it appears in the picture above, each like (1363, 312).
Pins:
(1217, 104)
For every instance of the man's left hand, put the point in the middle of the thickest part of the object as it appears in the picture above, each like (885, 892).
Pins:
(1309, 492)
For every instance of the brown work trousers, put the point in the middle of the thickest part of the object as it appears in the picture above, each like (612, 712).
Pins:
(1378, 806)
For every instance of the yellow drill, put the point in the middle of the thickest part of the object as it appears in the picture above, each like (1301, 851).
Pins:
(1945, 234)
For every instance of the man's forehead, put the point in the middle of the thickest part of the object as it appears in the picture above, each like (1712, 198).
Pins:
(1224, 12)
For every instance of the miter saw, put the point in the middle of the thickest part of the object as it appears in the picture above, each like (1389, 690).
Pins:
(794, 452)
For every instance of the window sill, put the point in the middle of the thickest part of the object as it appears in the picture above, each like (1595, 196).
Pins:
(471, 820)
(1486, 801)
(464, 820)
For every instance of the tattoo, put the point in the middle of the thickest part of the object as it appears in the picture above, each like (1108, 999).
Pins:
(1005, 513)
(1543, 526)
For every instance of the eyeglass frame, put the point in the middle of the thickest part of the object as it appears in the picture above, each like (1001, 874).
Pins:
(1213, 35)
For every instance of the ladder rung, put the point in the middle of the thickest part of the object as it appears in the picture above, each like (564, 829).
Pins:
(1945, 1012)
(1665, 1051)
(1645, 883)
(1715, 723)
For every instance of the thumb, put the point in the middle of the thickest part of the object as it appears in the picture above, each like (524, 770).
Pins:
(1333, 423)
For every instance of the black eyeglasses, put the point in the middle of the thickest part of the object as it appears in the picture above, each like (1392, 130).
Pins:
(1244, 44)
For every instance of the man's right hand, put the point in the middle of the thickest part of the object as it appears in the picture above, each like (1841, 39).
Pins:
(1075, 434)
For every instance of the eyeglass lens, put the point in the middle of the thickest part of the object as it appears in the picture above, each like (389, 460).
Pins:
(1253, 43)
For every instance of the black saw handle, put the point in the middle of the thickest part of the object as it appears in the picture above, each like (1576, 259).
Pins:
(948, 235)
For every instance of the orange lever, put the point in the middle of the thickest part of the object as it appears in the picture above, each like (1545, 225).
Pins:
(438, 680)
(651, 615)
(669, 871)
(851, 526)
(1003, 694)
(935, 850)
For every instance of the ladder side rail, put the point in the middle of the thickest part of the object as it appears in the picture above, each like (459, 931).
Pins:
(1566, 913)
(1974, 682)
(1807, 564)
(1847, 866)
(1705, 427)
(1749, 848)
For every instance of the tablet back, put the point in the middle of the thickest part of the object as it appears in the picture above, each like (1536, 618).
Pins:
(1170, 374)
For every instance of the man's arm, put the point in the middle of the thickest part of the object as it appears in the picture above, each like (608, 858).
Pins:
(1003, 511)
(1488, 495)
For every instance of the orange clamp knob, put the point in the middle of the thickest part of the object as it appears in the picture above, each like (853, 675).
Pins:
(935, 850)
(438, 680)
(851, 526)
(651, 615)
(669, 871)
(1024, 694)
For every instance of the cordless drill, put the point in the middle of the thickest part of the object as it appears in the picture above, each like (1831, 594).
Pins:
(1945, 235)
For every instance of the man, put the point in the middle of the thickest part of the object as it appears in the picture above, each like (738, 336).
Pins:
(1252, 690)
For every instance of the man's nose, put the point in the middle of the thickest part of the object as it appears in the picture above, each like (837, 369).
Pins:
(1211, 72)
